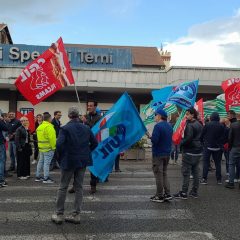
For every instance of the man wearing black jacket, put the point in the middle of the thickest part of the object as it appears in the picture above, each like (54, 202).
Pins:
(234, 147)
(13, 125)
(57, 126)
(3, 127)
(191, 154)
(213, 140)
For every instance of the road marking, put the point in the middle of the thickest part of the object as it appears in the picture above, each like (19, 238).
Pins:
(91, 198)
(116, 236)
(100, 187)
(177, 214)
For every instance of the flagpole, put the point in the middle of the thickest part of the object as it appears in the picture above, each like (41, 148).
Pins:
(78, 98)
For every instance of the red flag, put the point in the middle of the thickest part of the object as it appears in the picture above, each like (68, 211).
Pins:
(47, 74)
(30, 117)
(229, 82)
(232, 96)
(179, 128)
(199, 108)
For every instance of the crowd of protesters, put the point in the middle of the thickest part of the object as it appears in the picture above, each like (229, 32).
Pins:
(57, 146)
(212, 139)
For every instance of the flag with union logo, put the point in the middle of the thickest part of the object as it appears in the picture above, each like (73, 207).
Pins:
(184, 95)
(45, 75)
(118, 130)
(231, 88)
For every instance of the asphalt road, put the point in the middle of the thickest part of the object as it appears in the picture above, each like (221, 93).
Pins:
(121, 209)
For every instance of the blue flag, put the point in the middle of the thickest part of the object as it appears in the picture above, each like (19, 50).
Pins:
(118, 130)
(160, 97)
(184, 95)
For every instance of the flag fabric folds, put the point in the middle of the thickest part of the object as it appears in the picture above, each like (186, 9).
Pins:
(118, 130)
(199, 108)
(232, 96)
(179, 127)
(159, 101)
(47, 74)
(184, 95)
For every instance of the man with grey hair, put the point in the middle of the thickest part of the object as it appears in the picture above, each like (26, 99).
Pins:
(74, 145)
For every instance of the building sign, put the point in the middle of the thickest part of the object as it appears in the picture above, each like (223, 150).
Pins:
(20, 55)
(25, 111)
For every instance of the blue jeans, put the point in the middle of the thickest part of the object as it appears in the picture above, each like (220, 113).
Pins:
(2, 162)
(12, 153)
(44, 163)
(217, 157)
(234, 160)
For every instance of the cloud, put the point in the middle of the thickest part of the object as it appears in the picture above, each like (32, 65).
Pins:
(35, 12)
(213, 44)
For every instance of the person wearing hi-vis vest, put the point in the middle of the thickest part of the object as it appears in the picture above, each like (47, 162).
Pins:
(46, 136)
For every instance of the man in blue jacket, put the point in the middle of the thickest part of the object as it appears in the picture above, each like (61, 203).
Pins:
(161, 149)
(74, 145)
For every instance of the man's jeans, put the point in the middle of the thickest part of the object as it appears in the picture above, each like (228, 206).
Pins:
(159, 166)
(2, 162)
(190, 165)
(217, 157)
(78, 186)
(12, 154)
(234, 160)
(44, 162)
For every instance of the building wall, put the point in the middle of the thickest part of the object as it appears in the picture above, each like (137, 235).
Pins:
(53, 106)
(4, 106)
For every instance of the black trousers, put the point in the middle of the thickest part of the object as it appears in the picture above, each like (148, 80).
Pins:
(93, 181)
(36, 151)
(23, 162)
(117, 162)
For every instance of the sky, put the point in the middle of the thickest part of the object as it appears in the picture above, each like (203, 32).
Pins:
(196, 32)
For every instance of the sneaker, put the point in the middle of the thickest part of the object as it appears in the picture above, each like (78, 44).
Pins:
(71, 190)
(3, 184)
(22, 178)
(219, 182)
(73, 218)
(193, 194)
(157, 199)
(180, 195)
(57, 218)
(48, 180)
(191, 177)
(34, 162)
(39, 179)
(152, 197)
(168, 197)
(227, 181)
(230, 185)
(203, 181)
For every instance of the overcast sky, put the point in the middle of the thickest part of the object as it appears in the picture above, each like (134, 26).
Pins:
(197, 32)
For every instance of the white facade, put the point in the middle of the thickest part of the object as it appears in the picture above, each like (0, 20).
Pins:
(136, 80)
